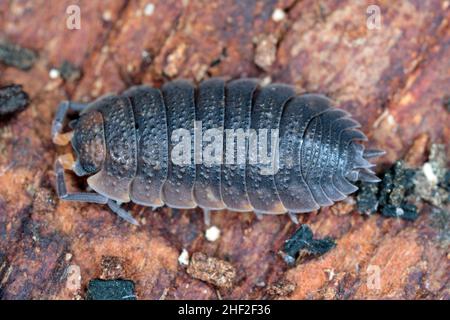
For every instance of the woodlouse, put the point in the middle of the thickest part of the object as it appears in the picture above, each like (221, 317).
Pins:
(125, 144)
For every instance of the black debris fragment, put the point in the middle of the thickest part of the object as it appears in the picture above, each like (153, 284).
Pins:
(302, 246)
(16, 56)
(111, 290)
(397, 185)
(12, 99)
(391, 196)
(367, 198)
(406, 211)
(401, 187)
(69, 72)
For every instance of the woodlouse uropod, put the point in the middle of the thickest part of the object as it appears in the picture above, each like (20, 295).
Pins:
(124, 143)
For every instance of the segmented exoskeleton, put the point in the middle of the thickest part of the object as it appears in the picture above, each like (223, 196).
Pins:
(126, 144)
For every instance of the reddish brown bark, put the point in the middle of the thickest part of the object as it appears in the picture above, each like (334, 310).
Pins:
(394, 80)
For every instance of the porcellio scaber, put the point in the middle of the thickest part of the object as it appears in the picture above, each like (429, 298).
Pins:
(125, 143)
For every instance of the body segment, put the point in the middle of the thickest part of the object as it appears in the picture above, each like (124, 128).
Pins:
(152, 140)
(119, 167)
(238, 108)
(265, 121)
(180, 105)
(210, 115)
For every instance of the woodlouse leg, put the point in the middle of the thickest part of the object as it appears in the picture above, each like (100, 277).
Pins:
(154, 208)
(64, 107)
(61, 189)
(207, 217)
(124, 214)
(293, 217)
(259, 215)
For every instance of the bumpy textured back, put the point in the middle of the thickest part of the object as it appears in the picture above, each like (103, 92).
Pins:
(317, 154)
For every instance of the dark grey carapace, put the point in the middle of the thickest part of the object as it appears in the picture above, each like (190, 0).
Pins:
(124, 142)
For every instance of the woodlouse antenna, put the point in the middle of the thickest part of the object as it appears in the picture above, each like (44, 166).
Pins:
(64, 107)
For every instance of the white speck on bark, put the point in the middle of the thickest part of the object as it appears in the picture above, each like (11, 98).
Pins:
(183, 259)
(212, 233)
(54, 73)
(107, 15)
(429, 173)
(149, 9)
(278, 15)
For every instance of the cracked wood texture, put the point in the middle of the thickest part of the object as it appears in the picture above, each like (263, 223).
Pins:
(393, 80)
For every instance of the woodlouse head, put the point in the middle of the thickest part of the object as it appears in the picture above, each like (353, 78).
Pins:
(88, 142)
